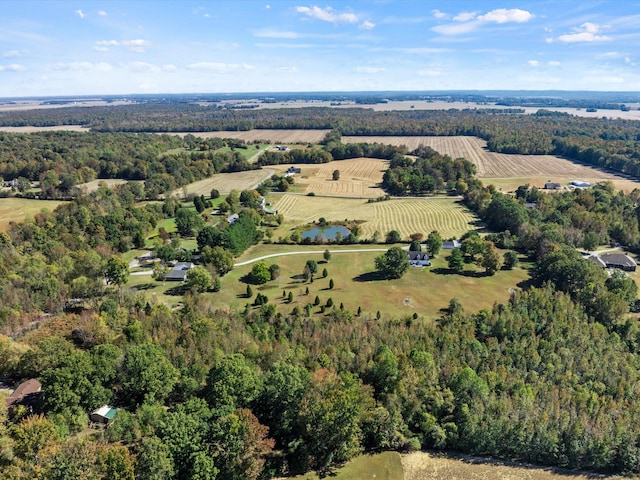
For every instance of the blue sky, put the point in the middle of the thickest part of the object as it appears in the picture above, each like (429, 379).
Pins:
(115, 47)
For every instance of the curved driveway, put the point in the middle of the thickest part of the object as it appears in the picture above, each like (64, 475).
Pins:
(306, 252)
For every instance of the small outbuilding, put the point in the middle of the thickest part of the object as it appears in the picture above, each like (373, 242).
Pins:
(451, 244)
(103, 415)
(580, 184)
(552, 186)
(28, 393)
(179, 272)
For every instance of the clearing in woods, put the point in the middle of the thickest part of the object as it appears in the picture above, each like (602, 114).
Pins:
(359, 177)
(14, 209)
(277, 136)
(225, 182)
(406, 215)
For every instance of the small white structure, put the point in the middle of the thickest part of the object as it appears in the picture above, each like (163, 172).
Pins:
(104, 414)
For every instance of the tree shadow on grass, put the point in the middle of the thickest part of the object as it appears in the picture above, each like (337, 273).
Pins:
(176, 291)
(144, 286)
(369, 277)
(464, 273)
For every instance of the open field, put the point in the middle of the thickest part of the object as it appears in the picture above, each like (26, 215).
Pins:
(28, 129)
(95, 184)
(381, 466)
(359, 177)
(429, 466)
(275, 136)
(225, 182)
(493, 167)
(14, 209)
(424, 291)
(407, 215)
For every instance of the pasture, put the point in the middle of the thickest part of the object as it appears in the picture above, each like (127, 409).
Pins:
(425, 291)
(93, 185)
(225, 182)
(359, 177)
(406, 215)
(14, 209)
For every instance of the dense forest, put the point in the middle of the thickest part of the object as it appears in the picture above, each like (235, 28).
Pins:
(207, 393)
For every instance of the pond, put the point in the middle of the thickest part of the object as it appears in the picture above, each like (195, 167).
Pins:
(326, 233)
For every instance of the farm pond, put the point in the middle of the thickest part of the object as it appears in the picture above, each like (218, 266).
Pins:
(326, 233)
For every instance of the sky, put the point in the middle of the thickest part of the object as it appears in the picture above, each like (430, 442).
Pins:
(111, 47)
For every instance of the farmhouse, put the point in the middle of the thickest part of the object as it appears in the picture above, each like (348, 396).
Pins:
(179, 272)
(619, 260)
(451, 244)
(103, 415)
(419, 259)
(552, 186)
(12, 183)
(26, 394)
(231, 219)
(282, 148)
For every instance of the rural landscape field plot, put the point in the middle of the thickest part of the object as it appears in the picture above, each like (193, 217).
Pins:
(16, 209)
(409, 215)
(225, 182)
(276, 136)
(359, 177)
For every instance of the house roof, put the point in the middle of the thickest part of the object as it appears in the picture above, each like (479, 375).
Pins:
(451, 244)
(618, 259)
(105, 411)
(598, 260)
(25, 391)
(179, 271)
(418, 256)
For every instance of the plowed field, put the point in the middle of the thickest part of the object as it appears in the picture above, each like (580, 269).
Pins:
(407, 216)
(225, 182)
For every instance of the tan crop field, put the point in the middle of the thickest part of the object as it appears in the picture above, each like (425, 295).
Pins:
(225, 182)
(498, 167)
(408, 215)
(57, 128)
(93, 185)
(276, 136)
(359, 177)
(17, 209)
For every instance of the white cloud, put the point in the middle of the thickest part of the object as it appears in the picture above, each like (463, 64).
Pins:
(502, 15)
(455, 28)
(267, 6)
(137, 46)
(276, 34)
(367, 25)
(533, 63)
(287, 69)
(102, 13)
(80, 13)
(368, 69)
(83, 67)
(554, 63)
(465, 16)
(169, 68)
(14, 67)
(439, 15)
(218, 67)
(142, 67)
(11, 54)
(587, 32)
(327, 14)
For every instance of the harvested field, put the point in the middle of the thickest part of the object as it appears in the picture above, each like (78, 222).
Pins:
(225, 182)
(428, 466)
(359, 177)
(275, 136)
(66, 128)
(16, 209)
(536, 168)
(95, 184)
(407, 216)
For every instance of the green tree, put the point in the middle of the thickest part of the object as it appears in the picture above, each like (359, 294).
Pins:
(259, 274)
(415, 246)
(199, 279)
(472, 245)
(32, 435)
(147, 374)
(392, 264)
(433, 243)
(219, 258)
(290, 297)
(510, 259)
(393, 236)
(116, 271)
(188, 221)
(455, 260)
(154, 460)
(491, 259)
(233, 382)
(326, 255)
(331, 284)
(336, 175)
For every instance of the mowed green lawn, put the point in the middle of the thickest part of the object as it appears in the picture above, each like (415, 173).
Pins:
(425, 291)
(14, 209)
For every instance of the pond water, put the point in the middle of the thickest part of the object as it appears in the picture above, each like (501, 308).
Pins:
(327, 233)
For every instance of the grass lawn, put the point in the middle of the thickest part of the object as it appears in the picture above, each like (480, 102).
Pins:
(14, 209)
(425, 291)
(382, 466)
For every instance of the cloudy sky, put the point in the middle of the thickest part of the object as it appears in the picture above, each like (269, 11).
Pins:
(53, 47)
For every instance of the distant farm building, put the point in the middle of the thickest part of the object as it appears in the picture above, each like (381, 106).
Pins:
(179, 272)
(292, 171)
(615, 260)
(27, 394)
(580, 184)
(420, 259)
(231, 219)
(451, 244)
(103, 414)
(282, 148)
(552, 186)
